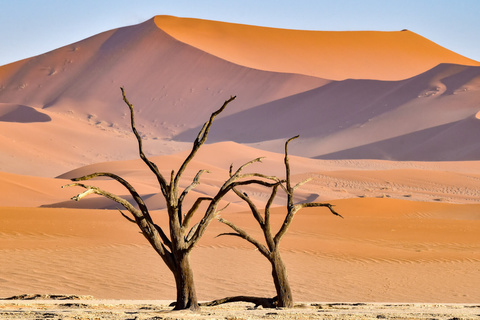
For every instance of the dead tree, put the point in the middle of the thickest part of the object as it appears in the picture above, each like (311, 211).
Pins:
(271, 251)
(174, 246)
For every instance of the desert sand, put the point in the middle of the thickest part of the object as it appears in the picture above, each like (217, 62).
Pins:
(394, 149)
(335, 55)
(87, 308)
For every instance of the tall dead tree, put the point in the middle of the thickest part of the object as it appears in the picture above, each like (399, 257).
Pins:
(272, 251)
(175, 245)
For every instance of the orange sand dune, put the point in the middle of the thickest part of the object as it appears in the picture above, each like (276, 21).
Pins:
(384, 250)
(69, 99)
(456, 182)
(326, 54)
(172, 85)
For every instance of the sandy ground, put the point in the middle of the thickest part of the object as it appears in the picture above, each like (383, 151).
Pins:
(128, 309)
(409, 234)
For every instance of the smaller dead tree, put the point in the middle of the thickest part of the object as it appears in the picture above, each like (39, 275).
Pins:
(272, 250)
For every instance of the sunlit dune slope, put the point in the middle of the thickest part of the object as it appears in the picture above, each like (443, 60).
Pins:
(333, 55)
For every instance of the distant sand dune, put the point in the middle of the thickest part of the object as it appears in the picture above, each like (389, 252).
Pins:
(175, 83)
(335, 55)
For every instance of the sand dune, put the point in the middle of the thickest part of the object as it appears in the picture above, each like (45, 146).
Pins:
(73, 92)
(172, 84)
(361, 114)
(325, 54)
(456, 182)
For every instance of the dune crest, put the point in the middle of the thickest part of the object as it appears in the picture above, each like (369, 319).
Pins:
(335, 55)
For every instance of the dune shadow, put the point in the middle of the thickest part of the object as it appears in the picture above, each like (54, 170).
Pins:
(21, 114)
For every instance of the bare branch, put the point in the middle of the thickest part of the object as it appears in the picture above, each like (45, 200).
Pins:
(200, 140)
(293, 209)
(83, 194)
(301, 183)
(191, 232)
(153, 167)
(195, 182)
(150, 231)
(243, 234)
(314, 204)
(138, 199)
(212, 208)
(220, 210)
(252, 206)
(95, 190)
(287, 165)
(233, 234)
(236, 175)
(267, 232)
(126, 217)
(192, 210)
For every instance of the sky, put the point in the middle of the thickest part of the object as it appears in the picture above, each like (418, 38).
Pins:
(33, 27)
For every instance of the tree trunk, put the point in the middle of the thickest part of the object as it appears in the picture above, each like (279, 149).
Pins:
(280, 278)
(186, 295)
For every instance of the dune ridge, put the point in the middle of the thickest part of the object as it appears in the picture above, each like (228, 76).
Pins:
(335, 55)
(174, 86)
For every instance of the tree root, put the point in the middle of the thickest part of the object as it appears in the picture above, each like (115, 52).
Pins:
(258, 301)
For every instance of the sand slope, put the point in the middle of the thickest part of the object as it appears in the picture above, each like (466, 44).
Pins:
(374, 254)
(406, 225)
(335, 55)
(456, 182)
(69, 99)
(339, 116)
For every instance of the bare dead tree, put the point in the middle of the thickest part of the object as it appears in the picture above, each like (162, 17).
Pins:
(174, 246)
(271, 251)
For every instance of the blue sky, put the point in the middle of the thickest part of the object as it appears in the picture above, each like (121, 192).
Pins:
(32, 27)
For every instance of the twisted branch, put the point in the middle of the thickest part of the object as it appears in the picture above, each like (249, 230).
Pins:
(138, 199)
(243, 234)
